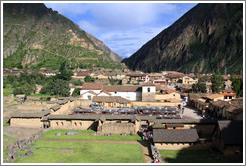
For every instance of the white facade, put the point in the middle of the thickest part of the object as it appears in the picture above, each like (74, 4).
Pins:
(146, 89)
(133, 96)
(103, 94)
(88, 96)
(71, 91)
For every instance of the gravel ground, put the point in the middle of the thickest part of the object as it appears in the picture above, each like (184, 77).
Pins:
(191, 113)
(19, 132)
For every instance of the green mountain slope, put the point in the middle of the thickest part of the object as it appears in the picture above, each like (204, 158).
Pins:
(208, 37)
(35, 37)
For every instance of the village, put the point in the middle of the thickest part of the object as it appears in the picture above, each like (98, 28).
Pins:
(162, 108)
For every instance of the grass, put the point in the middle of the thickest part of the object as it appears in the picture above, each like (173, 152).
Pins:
(191, 156)
(6, 141)
(8, 91)
(5, 124)
(83, 153)
(82, 135)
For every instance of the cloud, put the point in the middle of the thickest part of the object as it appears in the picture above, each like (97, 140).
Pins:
(125, 43)
(123, 27)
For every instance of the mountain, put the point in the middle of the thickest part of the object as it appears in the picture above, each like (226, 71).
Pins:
(208, 37)
(36, 37)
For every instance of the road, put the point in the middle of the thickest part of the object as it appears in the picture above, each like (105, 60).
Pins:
(191, 113)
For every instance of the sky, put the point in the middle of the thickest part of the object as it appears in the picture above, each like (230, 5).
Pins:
(123, 27)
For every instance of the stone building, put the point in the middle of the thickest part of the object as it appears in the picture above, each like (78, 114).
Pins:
(148, 91)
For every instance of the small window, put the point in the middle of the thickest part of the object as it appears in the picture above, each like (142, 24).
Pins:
(173, 94)
(80, 123)
(75, 124)
(62, 123)
(56, 123)
(148, 89)
(115, 92)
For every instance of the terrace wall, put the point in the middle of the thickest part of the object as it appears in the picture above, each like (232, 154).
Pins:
(181, 146)
(26, 122)
(71, 124)
(65, 108)
(117, 128)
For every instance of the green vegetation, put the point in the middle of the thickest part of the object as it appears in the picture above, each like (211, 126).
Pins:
(5, 124)
(89, 79)
(83, 152)
(191, 156)
(237, 84)
(7, 91)
(199, 87)
(77, 83)
(7, 140)
(36, 46)
(114, 81)
(88, 135)
(76, 92)
(217, 82)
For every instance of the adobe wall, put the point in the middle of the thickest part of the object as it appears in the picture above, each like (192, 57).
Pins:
(156, 104)
(167, 96)
(181, 146)
(65, 108)
(148, 96)
(117, 128)
(73, 124)
(83, 103)
(26, 122)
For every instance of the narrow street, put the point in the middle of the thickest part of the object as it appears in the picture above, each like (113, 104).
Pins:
(191, 113)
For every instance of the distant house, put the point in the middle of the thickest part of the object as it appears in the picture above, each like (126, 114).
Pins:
(214, 97)
(228, 137)
(128, 92)
(81, 74)
(22, 97)
(88, 95)
(189, 80)
(168, 94)
(95, 87)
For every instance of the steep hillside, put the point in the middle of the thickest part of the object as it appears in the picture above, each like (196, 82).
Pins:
(35, 37)
(206, 38)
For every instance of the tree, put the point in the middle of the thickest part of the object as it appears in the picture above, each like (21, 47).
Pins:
(77, 83)
(217, 82)
(56, 87)
(76, 92)
(65, 73)
(237, 84)
(199, 87)
(24, 89)
(89, 79)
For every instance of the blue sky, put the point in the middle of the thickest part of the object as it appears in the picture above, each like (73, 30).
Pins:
(123, 27)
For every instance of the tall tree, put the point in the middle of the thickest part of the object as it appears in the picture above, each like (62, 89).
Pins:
(217, 82)
(65, 73)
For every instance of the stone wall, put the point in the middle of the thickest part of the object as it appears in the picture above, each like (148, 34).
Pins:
(26, 122)
(181, 146)
(73, 124)
(117, 128)
(65, 108)
(148, 96)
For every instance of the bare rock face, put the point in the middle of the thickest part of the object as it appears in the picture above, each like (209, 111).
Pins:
(71, 133)
(206, 38)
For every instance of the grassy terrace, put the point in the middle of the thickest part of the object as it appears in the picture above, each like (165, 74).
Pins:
(191, 156)
(88, 135)
(8, 91)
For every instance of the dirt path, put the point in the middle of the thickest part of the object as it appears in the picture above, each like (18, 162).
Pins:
(97, 141)
(145, 151)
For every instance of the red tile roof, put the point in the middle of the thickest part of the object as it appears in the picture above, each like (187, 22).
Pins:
(92, 86)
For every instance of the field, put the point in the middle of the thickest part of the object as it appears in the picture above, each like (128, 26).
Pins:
(82, 152)
(191, 156)
(112, 150)
(88, 135)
